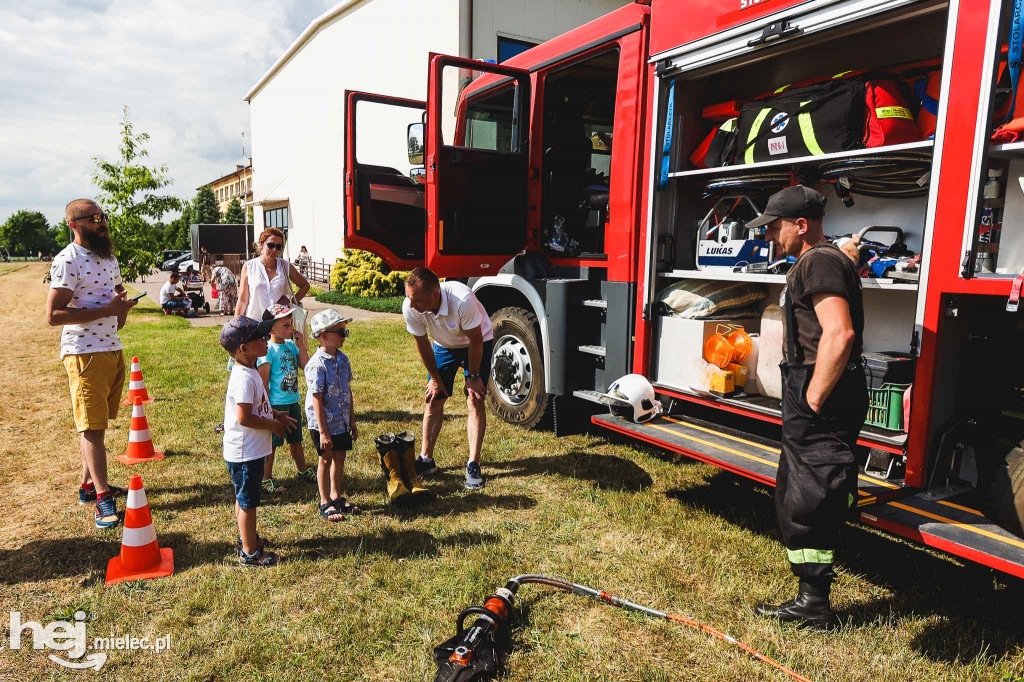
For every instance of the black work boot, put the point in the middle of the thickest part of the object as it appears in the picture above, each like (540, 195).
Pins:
(810, 606)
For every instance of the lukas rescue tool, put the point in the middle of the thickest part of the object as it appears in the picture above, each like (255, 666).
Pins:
(476, 652)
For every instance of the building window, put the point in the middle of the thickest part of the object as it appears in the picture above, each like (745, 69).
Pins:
(510, 47)
(277, 217)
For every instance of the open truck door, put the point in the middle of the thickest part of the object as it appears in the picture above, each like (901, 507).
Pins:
(384, 206)
(478, 166)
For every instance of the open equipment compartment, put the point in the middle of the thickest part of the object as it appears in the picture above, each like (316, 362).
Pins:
(681, 200)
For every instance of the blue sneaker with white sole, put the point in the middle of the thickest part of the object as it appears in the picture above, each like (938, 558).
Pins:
(474, 479)
(87, 496)
(106, 512)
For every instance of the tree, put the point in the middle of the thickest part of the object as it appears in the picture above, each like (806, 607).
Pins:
(178, 233)
(26, 233)
(235, 215)
(205, 209)
(127, 193)
(60, 236)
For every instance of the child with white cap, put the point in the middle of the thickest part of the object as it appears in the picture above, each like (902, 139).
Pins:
(329, 411)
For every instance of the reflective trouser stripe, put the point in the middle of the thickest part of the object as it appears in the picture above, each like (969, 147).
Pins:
(810, 556)
(807, 132)
(748, 154)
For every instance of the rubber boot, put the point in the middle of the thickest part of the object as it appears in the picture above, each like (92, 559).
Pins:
(406, 444)
(391, 465)
(810, 606)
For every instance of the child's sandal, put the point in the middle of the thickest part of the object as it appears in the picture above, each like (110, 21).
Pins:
(272, 487)
(347, 507)
(331, 513)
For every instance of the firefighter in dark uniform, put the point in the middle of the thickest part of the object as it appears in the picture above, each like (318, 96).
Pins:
(824, 399)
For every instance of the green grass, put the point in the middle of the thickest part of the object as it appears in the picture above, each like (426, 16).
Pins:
(367, 599)
(388, 304)
(10, 267)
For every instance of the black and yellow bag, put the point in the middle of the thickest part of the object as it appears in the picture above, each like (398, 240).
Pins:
(816, 119)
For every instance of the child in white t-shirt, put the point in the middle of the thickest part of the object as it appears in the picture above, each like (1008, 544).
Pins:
(249, 422)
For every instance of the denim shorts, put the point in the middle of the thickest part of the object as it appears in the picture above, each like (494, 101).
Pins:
(449, 360)
(247, 477)
(340, 442)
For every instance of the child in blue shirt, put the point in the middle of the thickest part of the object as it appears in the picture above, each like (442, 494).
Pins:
(329, 412)
(280, 371)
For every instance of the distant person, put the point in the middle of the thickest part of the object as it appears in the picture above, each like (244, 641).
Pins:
(303, 260)
(280, 372)
(462, 337)
(87, 297)
(205, 264)
(249, 425)
(227, 289)
(172, 298)
(265, 279)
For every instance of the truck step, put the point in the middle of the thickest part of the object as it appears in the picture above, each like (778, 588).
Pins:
(599, 351)
(596, 303)
(592, 396)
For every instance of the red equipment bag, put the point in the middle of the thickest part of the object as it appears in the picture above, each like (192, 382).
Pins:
(926, 89)
(887, 118)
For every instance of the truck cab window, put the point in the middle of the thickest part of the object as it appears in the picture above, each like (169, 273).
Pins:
(579, 109)
(489, 120)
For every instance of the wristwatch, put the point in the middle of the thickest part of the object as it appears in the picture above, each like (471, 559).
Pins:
(466, 374)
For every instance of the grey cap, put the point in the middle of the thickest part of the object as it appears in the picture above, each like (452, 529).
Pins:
(325, 319)
(242, 329)
(797, 201)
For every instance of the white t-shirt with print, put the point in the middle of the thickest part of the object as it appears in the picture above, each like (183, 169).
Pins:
(460, 310)
(92, 280)
(242, 443)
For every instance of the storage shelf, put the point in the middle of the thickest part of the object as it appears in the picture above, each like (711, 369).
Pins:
(725, 275)
(746, 168)
(1007, 150)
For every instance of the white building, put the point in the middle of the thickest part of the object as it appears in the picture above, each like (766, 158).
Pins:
(379, 46)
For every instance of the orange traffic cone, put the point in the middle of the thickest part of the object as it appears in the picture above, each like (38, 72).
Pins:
(140, 443)
(141, 557)
(136, 386)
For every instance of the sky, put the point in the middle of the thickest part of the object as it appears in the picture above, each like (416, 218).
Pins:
(182, 68)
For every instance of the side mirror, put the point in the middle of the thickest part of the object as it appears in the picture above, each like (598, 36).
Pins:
(418, 175)
(415, 135)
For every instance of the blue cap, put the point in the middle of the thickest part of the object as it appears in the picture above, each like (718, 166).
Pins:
(242, 329)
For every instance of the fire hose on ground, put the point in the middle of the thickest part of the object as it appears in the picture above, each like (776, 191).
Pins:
(474, 653)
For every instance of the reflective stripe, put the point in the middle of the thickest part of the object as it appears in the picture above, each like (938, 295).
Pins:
(138, 436)
(135, 367)
(778, 90)
(841, 74)
(810, 556)
(893, 112)
(138, 411)
(729, 126)
(135, 385)
(136, 499)
(748, 155)
(807, 131)
(138, 537)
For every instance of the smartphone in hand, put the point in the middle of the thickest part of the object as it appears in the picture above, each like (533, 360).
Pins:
(136, 298)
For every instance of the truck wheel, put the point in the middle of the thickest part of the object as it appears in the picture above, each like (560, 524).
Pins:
(516, 391)
(1007, 492)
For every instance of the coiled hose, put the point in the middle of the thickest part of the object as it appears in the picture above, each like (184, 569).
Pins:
(601, 595)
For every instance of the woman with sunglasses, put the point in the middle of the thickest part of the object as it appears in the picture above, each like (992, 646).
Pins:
(265, 278)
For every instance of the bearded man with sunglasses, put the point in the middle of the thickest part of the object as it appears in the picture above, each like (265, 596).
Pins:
(87, 298)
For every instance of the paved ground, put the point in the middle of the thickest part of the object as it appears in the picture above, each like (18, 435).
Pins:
(152, 288)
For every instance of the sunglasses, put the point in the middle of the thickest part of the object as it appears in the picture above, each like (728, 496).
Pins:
(96, 218)
(274, 245)
(343, 333)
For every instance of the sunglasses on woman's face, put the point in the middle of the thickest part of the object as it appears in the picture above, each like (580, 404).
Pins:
(274, 245)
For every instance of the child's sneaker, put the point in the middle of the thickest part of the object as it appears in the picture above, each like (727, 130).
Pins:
(87, 496)
(258, 559)
(425, 466)
(106, 512)
(474, 479)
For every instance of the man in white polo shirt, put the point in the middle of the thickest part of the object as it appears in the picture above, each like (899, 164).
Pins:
(461, 334)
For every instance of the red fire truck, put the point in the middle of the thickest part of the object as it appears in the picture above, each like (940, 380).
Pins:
(569, 188)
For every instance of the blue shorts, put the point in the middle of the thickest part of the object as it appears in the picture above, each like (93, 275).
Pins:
(449, 360)
(247, 477)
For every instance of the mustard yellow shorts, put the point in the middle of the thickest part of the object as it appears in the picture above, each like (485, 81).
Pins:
(95, 381)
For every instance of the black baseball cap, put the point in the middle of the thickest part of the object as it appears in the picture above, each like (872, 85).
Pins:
(242, 329)
(797, 201)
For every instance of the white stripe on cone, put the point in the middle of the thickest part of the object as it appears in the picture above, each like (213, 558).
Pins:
(136, 499)
(135, 367)
(138, 411)
(138, 537)
(136, 385)
(138, 436)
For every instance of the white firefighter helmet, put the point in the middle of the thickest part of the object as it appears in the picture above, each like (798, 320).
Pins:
(632, 397)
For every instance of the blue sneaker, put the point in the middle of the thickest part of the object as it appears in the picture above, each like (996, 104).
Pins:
(87, 496)
(474, 479)
(425, 467)
(106, 512)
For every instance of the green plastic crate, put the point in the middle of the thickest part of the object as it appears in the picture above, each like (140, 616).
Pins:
(885, 406)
